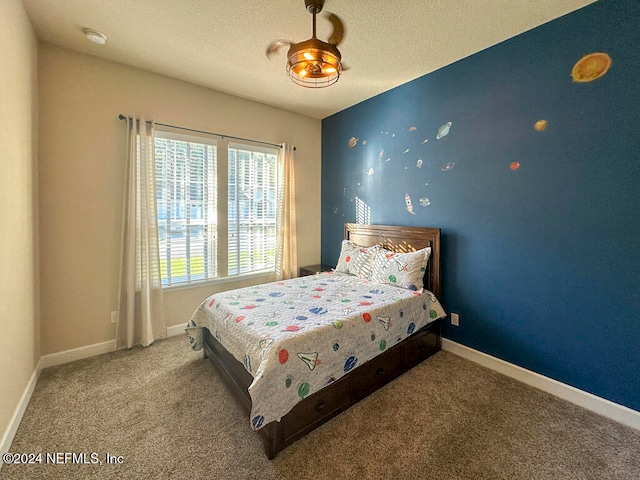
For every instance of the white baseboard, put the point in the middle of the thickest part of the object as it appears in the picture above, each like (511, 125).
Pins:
(584, 399)
(176, 330)
(88, 351)
(596, 404)
(16, 418)
(52, 360)
(74, 354)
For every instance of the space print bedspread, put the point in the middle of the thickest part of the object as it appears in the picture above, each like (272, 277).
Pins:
(298, 336)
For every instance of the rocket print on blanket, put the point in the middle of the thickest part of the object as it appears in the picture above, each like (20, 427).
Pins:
(310, 359)
(402, 266)
(294, 338)
(265, 343)
(385, 321)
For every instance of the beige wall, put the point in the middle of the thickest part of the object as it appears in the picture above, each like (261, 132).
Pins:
(82, 143)
(19, 326)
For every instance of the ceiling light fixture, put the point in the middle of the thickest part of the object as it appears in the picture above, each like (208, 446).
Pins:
(314, 63)
(95, 37)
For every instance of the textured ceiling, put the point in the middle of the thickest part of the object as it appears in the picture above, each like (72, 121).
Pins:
(220, 44)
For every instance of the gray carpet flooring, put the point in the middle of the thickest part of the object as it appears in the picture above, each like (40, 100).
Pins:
(165, 412)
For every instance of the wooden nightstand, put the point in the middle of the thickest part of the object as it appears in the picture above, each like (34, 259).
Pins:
(313, 269)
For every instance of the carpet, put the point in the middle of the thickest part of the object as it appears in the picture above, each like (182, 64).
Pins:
(162, 412)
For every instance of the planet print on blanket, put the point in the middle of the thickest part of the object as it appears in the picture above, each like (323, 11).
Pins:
(303, 389)
(257, 421)
(352, 322)
(283, 356)
(350, 363)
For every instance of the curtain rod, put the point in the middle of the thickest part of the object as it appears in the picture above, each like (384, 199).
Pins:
(124, 117)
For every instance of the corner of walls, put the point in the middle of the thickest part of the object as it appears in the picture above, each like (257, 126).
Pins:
(53, 360)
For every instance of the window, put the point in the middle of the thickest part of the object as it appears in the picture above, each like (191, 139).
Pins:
(216, 208)
(251, 210)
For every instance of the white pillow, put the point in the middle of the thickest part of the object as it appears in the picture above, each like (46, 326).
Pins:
(404, 270)
(363, 264)
(355, 259)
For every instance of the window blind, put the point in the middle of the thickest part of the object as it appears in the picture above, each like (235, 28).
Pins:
(186, 196)
(188, 182)
(251, 209)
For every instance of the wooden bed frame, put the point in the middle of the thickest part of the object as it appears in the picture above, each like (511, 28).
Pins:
(325, 404)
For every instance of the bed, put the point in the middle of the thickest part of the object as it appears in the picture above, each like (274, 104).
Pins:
(313, 346)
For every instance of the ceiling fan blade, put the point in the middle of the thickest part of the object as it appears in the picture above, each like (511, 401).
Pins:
(276, 46)
(338, 29)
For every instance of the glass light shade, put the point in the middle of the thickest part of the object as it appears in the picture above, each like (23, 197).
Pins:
(95, 37)
(314, 64)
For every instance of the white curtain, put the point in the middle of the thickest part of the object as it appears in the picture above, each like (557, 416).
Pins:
(140, 309)
(286, 250)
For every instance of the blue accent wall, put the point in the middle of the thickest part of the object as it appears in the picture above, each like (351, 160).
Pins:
(541, 258)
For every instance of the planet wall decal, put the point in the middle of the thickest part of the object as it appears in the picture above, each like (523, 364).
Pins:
(443, 130)
(591, 67)
(540, 125)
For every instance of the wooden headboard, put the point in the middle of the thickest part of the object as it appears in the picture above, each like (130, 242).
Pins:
(402, 239)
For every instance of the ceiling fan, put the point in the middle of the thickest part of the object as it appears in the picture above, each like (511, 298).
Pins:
(313, 63)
